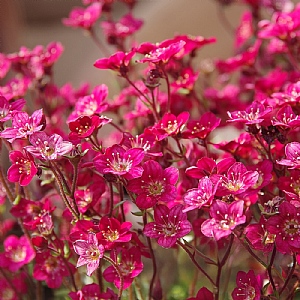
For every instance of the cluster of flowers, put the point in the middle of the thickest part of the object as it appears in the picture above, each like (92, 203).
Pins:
(78, 188)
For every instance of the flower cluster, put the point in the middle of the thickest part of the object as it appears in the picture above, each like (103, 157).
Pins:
(98, 189)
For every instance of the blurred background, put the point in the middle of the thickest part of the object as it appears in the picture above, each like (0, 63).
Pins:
(31, 22)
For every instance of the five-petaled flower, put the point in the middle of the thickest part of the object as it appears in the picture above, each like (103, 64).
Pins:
(90, 253)
(224, 218)
(118, 161)
(292, 153)
(169, 225)
(155, 185)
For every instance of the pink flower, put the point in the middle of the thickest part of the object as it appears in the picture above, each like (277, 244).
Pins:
(117, 62)
(286, 226)
(170, 125)
(111, 231)
(247, 286)
(52, 269)
(186, 80)
(245, 29)
(169, 225)
(203, 294)
(155, 185)
(23, 168)
(286, 118)
(23, 126)
(92, 291)
(237, 180)
(17, 253)
(15, 88)
(224, 218)
(118, 161)
(254, 114)
(129, 263)
(203, 127)
(159, 54)
(7, 108)
(46, 147)
(90, 253)
(90, 105)
(292, 153)
(203, 195)
(4, 65)
(84, 18)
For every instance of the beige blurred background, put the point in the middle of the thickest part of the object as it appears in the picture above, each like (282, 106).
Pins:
(32, 22)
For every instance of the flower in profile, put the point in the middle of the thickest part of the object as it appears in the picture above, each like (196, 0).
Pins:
(4, 65)
(292, 153)
(155, 185)
(7, 108)
(286, 118)
(286, 226)
(119, 62)
(84, 18)
(46, 147)
(17, 253)
(168, 226)
(254, 114)
(24, 125)
(203, 195)
(203, 294)
(248, 286)
(89, 253)
(23, 168)
(118, 161)
(224, 218)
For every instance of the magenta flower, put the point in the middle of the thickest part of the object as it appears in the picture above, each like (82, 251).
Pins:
(129, 263)
(111, 231)
(17, 253)
(168, 226)
(254, 114)
(118, 161)
(224, 218)
(155, 185)
(92, 292)
(84, 18)
(248, 286)
(46, 147)
(8, 107)
(286, 118)
(201, 128)
(90, 105)
(286, 226)
(23, 168)
(89, 253)
(15, 88)
(24, 126)
(292, 153)
(117, 62)
(157, 54)
(51, 269)
(202, 294)
(203, 195)
(4, 65)
(170, 125)
(237, 180)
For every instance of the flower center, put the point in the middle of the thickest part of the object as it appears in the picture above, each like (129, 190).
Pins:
(156, 188)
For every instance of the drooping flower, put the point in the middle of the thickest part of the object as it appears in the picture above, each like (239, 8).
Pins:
(129, 263)
(23, 168)
(224, 218)
(203, 195)
(23, 125)
(118, 161)
(248, 286)
(84, 18)
(155, 185)
(17, 253)
(90, 253)
(292, 153)
(286, 226)
(168, 226)
(46, 147)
